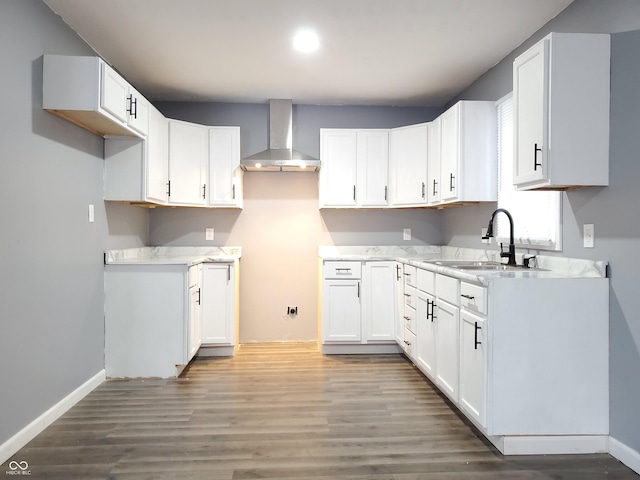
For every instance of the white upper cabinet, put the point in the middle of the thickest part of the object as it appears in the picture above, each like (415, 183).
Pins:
(225, 176)
(373, 168)
(433, 162)
(468, 153)
(188, 158)
(88, 92)
(135, 169)
(338, 174)
(408, 150)
(354, 169)
(561, 90)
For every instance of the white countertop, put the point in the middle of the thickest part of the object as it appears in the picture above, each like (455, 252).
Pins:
(422, 256)
(172, 255)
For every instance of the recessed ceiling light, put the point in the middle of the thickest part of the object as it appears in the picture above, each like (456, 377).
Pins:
(306, 41)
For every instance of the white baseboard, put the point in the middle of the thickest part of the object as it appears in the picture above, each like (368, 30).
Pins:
(357, 348)
(28, 433)
(626, 455)
(551, 444)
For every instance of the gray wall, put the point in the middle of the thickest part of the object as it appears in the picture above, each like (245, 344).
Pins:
(280, 226)
(611, 209)
(51, 287)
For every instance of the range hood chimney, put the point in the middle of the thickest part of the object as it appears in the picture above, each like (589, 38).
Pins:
(280, 157)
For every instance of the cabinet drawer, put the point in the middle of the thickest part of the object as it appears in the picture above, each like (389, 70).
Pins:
(473, 297)
(410, 295)
(410, 318)
(409, 340)
(410, 275)
(447, 289)
(342, 270)
(426, 281)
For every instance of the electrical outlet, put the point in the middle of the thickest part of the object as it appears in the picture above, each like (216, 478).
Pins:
(292, 311)
(588, 235)
(208, 233)
(406, 234)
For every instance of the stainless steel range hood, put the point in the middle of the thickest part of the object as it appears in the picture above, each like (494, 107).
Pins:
(280, 157)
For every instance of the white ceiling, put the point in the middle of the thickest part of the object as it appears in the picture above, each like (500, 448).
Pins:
(373, 52)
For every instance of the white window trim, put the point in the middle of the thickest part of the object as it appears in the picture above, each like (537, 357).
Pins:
(554, 200)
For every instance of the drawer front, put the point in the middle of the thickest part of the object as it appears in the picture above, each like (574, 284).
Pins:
(409, 343)
(426, 281)
(410, 296)
(410, 275)
(473, 297)
(447, 289)
(410, 318)
(342, 270)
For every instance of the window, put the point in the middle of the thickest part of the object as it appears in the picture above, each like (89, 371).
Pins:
(536, 214)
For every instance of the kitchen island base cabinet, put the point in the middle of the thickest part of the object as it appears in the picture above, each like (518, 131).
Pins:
(146, 320)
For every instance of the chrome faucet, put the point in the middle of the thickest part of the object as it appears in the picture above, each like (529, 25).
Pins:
(511, 254)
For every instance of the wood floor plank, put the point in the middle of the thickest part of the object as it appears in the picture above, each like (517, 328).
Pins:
(285, 411)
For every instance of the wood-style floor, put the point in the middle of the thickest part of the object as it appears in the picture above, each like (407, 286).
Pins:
(284, 411)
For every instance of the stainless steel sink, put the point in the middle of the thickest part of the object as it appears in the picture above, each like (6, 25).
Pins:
(479, 265)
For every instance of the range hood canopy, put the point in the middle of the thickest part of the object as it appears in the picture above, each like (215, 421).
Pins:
(280, 156)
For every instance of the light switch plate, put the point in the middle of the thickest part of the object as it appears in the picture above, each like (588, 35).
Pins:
(588, 235)
(208, 233)
(92, 215)
(406, 234)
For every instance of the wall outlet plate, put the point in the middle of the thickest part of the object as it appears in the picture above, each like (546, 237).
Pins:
(406, 234)
(588, 235)
(208, 233)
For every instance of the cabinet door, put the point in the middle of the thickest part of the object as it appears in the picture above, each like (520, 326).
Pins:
(447, 348)
(433, 163)
(157, 164)
(473, 366)
(450, 153)
(399, 302)
(341, 311)
(372, 168)
(530, 108)
(378, 301)
(113, 93)
(338, 175)
(218, 304)
(224, 161)
(408, 165)
(426, 334)
(137, 111)
(188, 155)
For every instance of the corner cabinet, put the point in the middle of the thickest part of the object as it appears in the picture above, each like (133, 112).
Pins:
(357, 307)
(468, 153)
(137, 170)
(91, 94)
(355, 166)
(561, 91)
(408, 150)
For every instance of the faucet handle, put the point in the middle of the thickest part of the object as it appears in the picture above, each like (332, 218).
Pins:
(526, 260)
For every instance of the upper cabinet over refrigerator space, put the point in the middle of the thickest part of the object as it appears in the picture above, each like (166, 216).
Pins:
(561, 90)
(89, 93)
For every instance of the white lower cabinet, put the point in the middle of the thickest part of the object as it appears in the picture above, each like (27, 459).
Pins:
(358, 306)
(148, 322)
(219, 304)
(473, 366)
(194, 334)
(525, 359)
